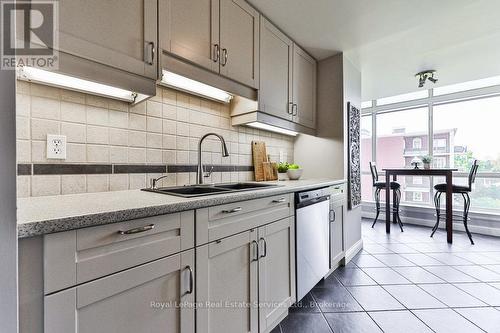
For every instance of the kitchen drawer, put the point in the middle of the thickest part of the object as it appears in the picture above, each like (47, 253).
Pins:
(217, 222)
(78, 256)
(338, 193)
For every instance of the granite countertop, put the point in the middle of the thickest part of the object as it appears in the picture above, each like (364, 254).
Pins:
(43, 215)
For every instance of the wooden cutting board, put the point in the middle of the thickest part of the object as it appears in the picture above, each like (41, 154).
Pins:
(259, 154)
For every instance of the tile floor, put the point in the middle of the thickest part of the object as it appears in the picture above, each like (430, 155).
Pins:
(407, 282)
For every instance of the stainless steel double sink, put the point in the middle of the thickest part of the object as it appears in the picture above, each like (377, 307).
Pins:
(190, 191)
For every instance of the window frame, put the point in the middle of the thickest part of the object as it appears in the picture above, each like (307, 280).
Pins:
(430, 102)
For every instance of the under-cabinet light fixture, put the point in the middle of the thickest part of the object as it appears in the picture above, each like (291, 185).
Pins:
(59, 80)
(271, 128)
(194, 87)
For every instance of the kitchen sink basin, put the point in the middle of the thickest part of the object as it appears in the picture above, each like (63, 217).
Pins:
(190, 191)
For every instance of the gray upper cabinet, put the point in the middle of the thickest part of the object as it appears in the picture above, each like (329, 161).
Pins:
(239, 40)
(276, 52)
(117, 33)
(129, 301)
(304, 88)
(219, 35)
(190, 30)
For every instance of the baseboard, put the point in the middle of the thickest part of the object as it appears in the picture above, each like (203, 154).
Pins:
(477, 229)
(351, 252)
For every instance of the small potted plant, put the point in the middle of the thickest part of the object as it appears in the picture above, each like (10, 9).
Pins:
(427, 161)
(294, 172)
(282, 170)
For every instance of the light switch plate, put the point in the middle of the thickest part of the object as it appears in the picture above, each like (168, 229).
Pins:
(56, 147)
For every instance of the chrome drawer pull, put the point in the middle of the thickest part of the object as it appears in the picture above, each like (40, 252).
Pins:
(191, 280)
(234, 210)
(256, 247)
(265, 248)
(137, 230)
(280, 200)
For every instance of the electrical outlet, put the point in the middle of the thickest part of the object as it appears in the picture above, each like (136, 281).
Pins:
(282, 156)
(56, 147)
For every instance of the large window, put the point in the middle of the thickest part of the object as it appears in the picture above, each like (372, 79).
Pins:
(402, 136)
(464, 128)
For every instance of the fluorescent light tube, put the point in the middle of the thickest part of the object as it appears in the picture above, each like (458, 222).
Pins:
(59, 80)
(272, 128)
(198, 88)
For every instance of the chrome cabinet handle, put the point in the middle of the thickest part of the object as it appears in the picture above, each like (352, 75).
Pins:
(150, 51)
(280, 200)
(290, 108)
(225, 55)
(216, 54)
(191, 280)
(295, 110)
(265, 248)
(333, 216)
(136, 230)
(256, 247)
(233, 210)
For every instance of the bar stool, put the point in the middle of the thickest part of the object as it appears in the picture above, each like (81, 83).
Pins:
(464, 191)
(379, 186)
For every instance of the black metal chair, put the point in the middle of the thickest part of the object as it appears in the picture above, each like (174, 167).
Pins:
(379, 186)
(464, 191)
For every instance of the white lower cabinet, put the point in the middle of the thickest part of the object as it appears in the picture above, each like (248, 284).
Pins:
(276, 272)
(141, 299)
(246, 282)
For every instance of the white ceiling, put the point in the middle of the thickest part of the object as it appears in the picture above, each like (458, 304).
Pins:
(391, 40)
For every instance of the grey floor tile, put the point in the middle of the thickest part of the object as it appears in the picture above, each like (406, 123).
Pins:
(400, 248)
(413, 297)
(478, 258)
(450, 274)
(359, 322)
(449, 259)
(375, 249)
(335, 300)
(446, 321)
(353, 277)
(486, 318)
(393, 260)
(421, 259)
(494, 268)
(418, 275)
(306, 304)
(482, 291)
(451, 295)
(480, 273)
(367, 260)
(374, 298)
(399, 321)
(305, 322)
(385, 275)
(330, 282)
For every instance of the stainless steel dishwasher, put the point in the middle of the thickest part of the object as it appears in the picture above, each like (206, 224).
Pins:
(312, 238)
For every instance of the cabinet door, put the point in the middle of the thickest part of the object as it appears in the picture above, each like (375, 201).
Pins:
(190, 29)
(239, 38)
(336, 234)
(304, 88)
(227, 284)
(141, 299)
(117, 33)
(276, 52)
(276, 272)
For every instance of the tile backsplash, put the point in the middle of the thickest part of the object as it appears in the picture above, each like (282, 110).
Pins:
(113, 146)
